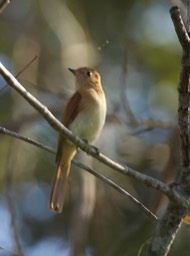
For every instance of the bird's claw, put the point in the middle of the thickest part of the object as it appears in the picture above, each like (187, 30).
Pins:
(94, 148)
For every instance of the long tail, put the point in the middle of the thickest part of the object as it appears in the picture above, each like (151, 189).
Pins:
(59, 187)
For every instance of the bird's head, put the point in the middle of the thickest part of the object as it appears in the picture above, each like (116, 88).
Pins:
(86, 77)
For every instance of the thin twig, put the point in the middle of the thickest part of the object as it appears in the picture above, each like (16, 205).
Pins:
(9, 251)
(4, 4)
(27, 65)
(149, 125)
(86, 168)
(26, 139)
(118, 188)
(21, 71)
(43, 110)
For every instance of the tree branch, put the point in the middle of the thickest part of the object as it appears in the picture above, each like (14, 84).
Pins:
(169, 225)
(82, 166)
(21, 71)
(180, 28)
(183, 87)
(54, 123)
(9, 251)
(4, 4)
(26, 139)
(118, 188)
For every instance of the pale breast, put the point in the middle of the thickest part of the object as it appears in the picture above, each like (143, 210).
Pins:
(90, 121)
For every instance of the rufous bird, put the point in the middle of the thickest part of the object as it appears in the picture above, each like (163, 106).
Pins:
(84, 115)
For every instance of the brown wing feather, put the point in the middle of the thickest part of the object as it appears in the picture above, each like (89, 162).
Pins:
(70, 112)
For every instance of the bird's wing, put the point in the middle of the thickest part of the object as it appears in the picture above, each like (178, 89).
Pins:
(71, 111)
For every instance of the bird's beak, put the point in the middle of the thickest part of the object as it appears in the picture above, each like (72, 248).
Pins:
(74, 71)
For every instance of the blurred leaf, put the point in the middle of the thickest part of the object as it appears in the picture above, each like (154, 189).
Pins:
(186, 219)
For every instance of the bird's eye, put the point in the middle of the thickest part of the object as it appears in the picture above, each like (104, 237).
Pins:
(88, 73)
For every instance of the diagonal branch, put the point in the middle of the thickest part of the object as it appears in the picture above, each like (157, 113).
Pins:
(21, 71)
(180, 28)
(54, 123)
(118, 188)
(26, 139)
(9, 251)
(4, 4)
(82, 166)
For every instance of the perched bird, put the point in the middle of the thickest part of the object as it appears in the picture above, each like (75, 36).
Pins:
(84, 115)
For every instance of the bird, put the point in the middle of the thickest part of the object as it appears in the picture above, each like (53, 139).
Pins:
(84, 115)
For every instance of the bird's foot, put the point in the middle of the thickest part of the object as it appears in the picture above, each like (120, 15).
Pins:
(97, 152)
